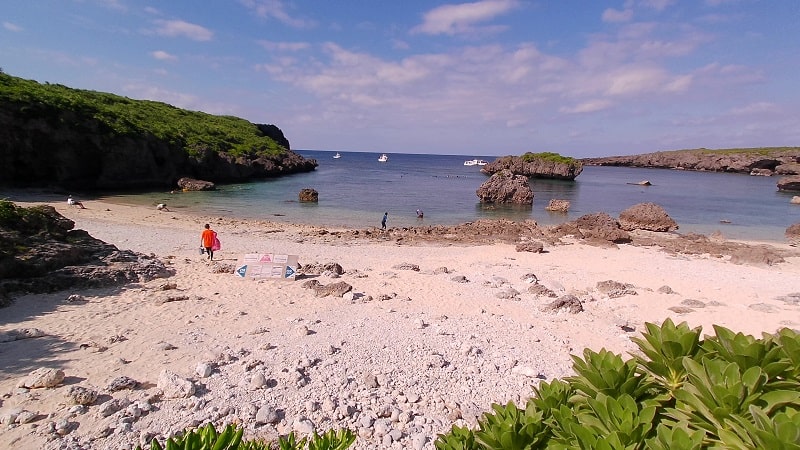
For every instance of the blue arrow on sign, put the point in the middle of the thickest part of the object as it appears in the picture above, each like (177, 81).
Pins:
(289, 272)
(241, 271)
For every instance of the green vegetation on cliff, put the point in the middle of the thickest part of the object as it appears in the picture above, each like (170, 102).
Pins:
(548, 156)
(192, 130)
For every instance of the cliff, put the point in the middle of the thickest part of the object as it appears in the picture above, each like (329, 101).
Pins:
(758, 161)
(55, 136)
(537, 165)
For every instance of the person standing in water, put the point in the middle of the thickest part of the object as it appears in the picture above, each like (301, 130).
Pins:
(383, 221)
(207, 241)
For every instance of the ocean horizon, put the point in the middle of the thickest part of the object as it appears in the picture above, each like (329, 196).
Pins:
(356, 189)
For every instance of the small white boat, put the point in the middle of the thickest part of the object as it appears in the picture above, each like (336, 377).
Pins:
(475, 162)
(383, 158)
(337, 156)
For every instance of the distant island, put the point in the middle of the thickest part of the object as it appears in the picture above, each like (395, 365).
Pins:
(57, 137)
(755, 161)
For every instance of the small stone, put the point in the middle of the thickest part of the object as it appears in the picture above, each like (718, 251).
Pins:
(43, 378)
(82, 395)
(120, 383)
(203, 370)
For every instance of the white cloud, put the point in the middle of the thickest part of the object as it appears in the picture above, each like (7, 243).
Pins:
(463, 17)
(587, 107)
(613, 16)
(12, 27)
(276, 9)
(175, 28)
(163, 56)
(658, 5)
(758, 108)
(283, 46)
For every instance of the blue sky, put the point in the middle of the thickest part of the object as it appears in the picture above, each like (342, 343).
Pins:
(491, 77)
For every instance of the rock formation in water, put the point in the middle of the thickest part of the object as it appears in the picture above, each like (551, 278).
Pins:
(537, 165)
(757, 161)
(506, 187)
(789, 183)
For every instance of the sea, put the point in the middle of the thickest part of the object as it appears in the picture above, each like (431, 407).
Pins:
(356, 189)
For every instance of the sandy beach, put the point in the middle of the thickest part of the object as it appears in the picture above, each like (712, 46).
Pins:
(431, 334)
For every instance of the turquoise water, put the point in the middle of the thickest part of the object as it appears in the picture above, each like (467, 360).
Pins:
(355, 190)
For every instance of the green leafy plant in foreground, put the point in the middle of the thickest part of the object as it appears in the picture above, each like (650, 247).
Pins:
(207, 438)
(728, 391)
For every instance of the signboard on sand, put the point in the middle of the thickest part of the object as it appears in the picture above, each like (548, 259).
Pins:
(260, 266)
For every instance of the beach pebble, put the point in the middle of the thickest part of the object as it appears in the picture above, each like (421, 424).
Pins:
(81, 395)
(43, 378)
(122, 382)
(267, 414)
(173, 386)
(204, 369)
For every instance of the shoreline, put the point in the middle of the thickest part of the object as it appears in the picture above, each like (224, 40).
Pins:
(36, 196)
(414, 351)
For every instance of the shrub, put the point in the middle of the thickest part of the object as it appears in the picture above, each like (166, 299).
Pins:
(727, 391)
(207, 438)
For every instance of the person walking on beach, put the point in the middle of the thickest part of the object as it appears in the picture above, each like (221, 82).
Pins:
(207, 241)
(383, 221)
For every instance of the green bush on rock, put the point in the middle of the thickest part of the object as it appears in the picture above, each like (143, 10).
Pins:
(728, 391)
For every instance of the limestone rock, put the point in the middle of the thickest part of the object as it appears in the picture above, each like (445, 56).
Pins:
(81, 395)
(789, 183)
(309, 195)
(707, 160)
(192, 184)
(558, 205)
(646, 216)
(795, 200)
(530, 246)
(43, 378)
(536, 166)
(174, 386)
(506, 187)
(568, 303)
(793, 233)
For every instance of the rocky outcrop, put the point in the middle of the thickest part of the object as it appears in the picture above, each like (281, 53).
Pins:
(41, 252)
(552, 166)
(72, 145)
(762, 161)
(190, 184)
(646, 216)
(793, 234)
(789, 184)
(506, 187)
(557, 205)
(597, 227)
(308, 195)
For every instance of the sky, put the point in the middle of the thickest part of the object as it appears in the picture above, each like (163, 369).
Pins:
(581, 78)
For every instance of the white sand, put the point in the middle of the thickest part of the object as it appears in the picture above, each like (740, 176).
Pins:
(453, 345)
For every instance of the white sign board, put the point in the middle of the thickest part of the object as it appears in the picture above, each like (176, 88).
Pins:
(259, 266)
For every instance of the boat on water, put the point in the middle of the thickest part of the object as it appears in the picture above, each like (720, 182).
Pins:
(475, 162)
(383, 158)
(337, 156)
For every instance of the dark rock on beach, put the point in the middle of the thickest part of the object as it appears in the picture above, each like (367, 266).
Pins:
(646, 216)
(41, 252)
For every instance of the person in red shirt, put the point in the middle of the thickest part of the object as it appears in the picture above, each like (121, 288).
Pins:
(207, 241)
